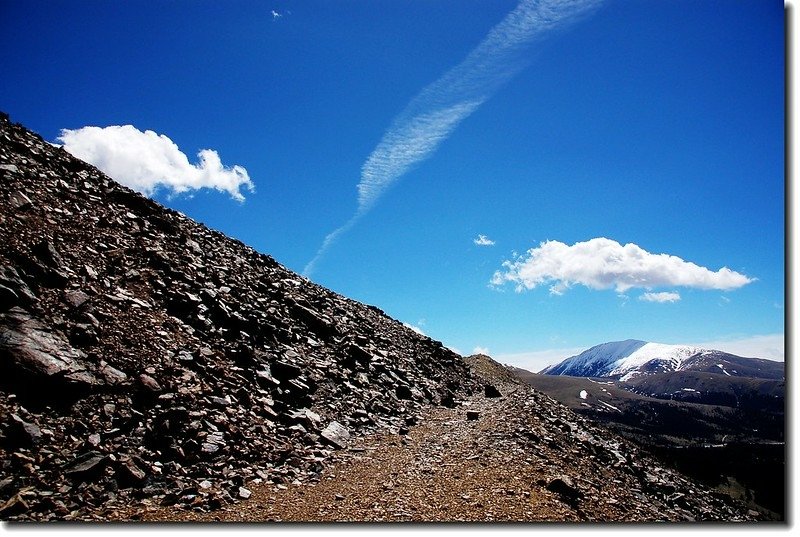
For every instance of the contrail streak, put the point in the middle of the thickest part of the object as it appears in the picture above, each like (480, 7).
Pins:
(437, 110)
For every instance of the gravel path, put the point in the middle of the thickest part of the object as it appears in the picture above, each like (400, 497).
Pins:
(448, 468)
(521, 457)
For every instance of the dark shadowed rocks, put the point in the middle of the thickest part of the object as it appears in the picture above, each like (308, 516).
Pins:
(146, 359)
(143, 353)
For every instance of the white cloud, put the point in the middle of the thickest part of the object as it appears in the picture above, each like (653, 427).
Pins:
(483, 240)
(437, 110)
(480, 350)
(146, 161)
(603, 264)
(660, 297)
(275, 14)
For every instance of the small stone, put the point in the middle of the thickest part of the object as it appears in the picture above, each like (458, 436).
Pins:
(209, 448)
(564, 486)
(15, 505)
(244, 493)
(76, 298)
(473, 415)
(491, 391)
(338, 497)
(9, 168)
(90, 272)
(149, 383)
(336, 434)
(28, 434)
(130, 472)
(20, 201)
(86, 465)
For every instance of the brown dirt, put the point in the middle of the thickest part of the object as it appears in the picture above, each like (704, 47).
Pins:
(447, 468)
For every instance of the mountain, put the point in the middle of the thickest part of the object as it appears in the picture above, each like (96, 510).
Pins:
(714, 415)
(148, 362)
(142, 353)
(631, 359)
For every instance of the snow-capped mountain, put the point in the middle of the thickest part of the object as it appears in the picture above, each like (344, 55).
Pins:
(625, 360)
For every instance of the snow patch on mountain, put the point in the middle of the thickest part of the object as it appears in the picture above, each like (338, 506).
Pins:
(595, 362)
(668, 358)
(625, 359)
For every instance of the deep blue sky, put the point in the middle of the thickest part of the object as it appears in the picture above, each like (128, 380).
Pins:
(658, 123)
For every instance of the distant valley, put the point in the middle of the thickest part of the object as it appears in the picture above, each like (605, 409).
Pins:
(154, 369)
(713, 415)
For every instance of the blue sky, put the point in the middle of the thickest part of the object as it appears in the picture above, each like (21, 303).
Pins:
(560, 137)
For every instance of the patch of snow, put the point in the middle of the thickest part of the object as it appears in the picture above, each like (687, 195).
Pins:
(596, 360)
(609, 383)
(671, 356)
(609, 406)
(583, 394)
(688, 390)
(625, 359)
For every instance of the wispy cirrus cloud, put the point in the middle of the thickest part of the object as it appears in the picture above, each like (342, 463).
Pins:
(147, 161)
(438, 109)
(604, 264)
(483, 240)
(666, 296)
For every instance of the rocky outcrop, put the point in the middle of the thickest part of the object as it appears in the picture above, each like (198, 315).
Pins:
(145, 357)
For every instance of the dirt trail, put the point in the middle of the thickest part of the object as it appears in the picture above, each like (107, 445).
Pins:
(448, 468)
(521, 457)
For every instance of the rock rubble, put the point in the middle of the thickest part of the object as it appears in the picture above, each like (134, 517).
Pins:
(145, 357)
(148, 362)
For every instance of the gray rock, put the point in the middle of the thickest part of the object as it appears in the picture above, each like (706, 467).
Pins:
(21, 293)
(564, 486)
(20, 201)
(76, 298)
(337, 434)
(31, 348)
(149, 383)
(27, 434)
(129, 472)
(47, 253)
(86, 466)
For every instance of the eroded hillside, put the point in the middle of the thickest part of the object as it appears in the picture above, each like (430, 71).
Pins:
(143, 353)
(153, 368)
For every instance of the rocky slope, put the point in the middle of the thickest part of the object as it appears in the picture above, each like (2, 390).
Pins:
(724, 431)
(506, 453)
(148, 362)
(143, 355)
